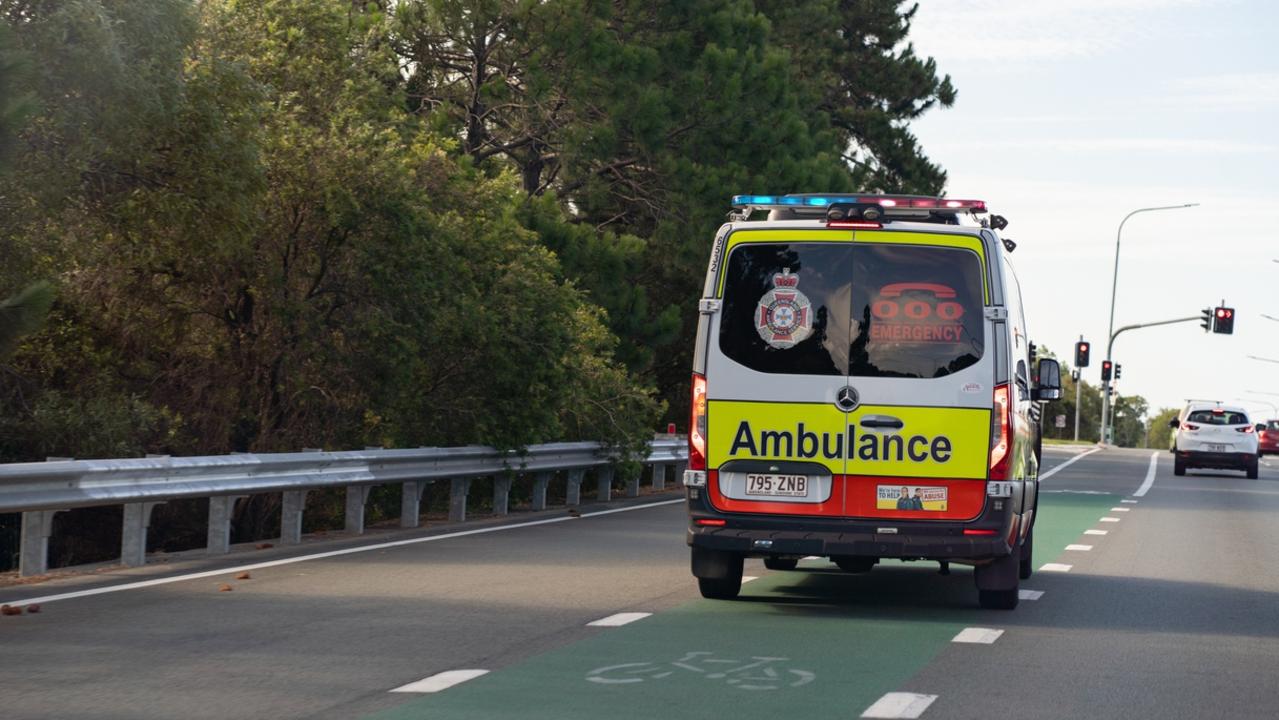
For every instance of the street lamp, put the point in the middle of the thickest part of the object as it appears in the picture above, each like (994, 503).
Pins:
(1114, 287)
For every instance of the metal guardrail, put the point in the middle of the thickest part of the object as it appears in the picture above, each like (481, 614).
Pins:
(40, 490)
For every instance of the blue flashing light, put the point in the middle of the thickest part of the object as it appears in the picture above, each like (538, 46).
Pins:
(785, 201)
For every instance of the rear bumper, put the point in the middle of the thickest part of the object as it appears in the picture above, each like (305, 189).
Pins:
(1195, 458)
(765, 535)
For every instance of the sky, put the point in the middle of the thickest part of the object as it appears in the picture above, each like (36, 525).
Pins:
(1072, 113)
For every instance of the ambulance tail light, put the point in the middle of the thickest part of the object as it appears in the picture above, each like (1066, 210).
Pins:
(1000, 434)
(978, 531)
(697, 425)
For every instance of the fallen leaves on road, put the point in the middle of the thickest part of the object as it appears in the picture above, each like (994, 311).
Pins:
(243, 576)
(225, 588)
(33, 608)
(264, 546)
(10, 610)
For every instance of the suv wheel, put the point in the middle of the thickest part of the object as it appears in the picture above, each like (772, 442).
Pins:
(776, 563)
(1178, 466)
(1252, 468)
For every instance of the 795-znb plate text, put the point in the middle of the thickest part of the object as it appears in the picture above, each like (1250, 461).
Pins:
(776, 485)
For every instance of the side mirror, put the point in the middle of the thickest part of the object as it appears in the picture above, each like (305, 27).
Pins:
(1049, 385)
(1261, 426)
(1174, 423)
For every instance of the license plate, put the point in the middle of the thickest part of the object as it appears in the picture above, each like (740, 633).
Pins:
(1218, 448)
(777, 485)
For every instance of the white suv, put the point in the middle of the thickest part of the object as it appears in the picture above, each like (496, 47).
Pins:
(1212, 436)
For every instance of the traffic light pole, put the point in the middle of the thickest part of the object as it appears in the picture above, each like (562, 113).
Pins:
(1079, 386)
(1105, 394)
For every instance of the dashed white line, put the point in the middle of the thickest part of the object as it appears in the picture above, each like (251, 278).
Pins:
(1130, 502)
(1110, 519)
(1096, 532)
(1055, 567)
(1079, 548)
(1120, 509)
(1063, 466)
(440, 681)
(618, 619)
(1030, 594)
(1150, 477)
(899, 705)
(320, 556)
(748, 578)
(978, 636)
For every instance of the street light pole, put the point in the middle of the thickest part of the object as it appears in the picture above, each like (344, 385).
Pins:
(1114, 287)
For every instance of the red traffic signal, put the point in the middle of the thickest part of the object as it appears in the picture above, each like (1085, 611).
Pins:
(1081, 354)
(1223, 320)
(1106, 367)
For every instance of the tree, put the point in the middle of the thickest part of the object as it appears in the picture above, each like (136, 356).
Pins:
(1159, 434)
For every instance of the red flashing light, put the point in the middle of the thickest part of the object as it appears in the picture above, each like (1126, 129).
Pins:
(975, 531)
(854, 224)
(710, 522)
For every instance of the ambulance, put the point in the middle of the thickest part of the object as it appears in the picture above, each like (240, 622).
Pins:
(864, 389)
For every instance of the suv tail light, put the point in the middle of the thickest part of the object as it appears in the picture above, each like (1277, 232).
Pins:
(1000, 434)
(1244, 429)
(1189, 426)
(697, 425)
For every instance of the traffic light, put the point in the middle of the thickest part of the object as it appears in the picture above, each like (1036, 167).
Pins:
(1224, 320)
(1110, 390)
(1118, 369)
(1205, 321)
(1081, 354)
(1106, 366)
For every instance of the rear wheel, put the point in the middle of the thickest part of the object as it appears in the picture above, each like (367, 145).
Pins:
(1026, 565)
(1252, 468)
(854, 564)
(718, 573)
(998, 599)
(776, 563)
(720, 588)
(998, 586)
(1178, 466)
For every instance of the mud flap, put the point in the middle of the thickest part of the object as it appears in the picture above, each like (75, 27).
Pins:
(716, 564)
(1001, 574)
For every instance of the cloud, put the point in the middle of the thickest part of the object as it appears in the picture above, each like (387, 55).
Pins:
(1230, 92)
(1177, 146)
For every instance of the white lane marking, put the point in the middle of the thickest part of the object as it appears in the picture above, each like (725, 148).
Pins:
(1055, 567)
(1030, 594)
(1076, 492)
(748, 578)
(978, 636)
(1058, 468)
(1079, 548)
(440, 681)
(618, 619)
(812, 557)
(1150, 476)
(1130, 502)
(320, 556)
(899, 705)
(1120, 509)
(1096, 532)
(1110, 519)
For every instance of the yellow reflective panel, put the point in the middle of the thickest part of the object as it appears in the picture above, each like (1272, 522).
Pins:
(932, 442)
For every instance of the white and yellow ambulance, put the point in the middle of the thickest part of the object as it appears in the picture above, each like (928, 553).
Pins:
(863, 389)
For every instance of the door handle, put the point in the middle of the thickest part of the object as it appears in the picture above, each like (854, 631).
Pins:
(882, 421)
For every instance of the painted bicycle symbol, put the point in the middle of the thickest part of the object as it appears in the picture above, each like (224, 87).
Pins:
(760, 673)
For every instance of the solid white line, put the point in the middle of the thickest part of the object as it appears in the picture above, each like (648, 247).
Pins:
(978, 636)
(1063, 466)
(1055, 567)
(1120, 509)
(1130, 502)
(1079, 548)
(440, 681)
(748, 578)
(618, 619)
(1030, 594)
(1096, 532)
(1150, 476)
(899, 705)
(320, 556)
(1110, 519)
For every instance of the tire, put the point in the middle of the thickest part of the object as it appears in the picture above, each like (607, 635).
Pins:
(1252, 469)
(1026, 565)
(855, 564)
(1178, 467)
(776, 563)
(998, 599)
(720, 588)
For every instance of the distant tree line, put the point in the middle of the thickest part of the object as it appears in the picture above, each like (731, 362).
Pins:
(264, 225)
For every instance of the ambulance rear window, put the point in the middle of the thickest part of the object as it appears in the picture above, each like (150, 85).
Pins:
(867, 310)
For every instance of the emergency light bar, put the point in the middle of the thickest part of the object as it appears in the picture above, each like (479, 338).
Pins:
(914, 202)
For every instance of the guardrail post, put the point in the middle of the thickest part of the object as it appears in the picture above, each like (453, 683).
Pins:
(291, 517)
(37, 526)
(540, 481)
(680, 467)
(356, 496)
(411, 502)
(604, 483)
(457, 499)
(573, 494)
(501, 494)
(133, 541)
(221, 509)
(633, 482)
(659, 476)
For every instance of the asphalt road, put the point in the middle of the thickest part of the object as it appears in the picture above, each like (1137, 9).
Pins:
(1171, 614)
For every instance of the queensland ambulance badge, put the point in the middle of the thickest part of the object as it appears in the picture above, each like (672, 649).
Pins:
(785, 316)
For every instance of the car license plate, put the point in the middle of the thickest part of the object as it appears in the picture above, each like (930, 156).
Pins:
(1213, 447)
(777, 485)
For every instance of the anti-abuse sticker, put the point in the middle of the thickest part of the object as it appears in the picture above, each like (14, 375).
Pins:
(911, 497)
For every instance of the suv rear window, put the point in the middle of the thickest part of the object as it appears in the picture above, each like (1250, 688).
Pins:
(1210, 417)
(870, 310)
(1272, 425)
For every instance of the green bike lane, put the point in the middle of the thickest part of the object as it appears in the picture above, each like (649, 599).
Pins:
(816, 642)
